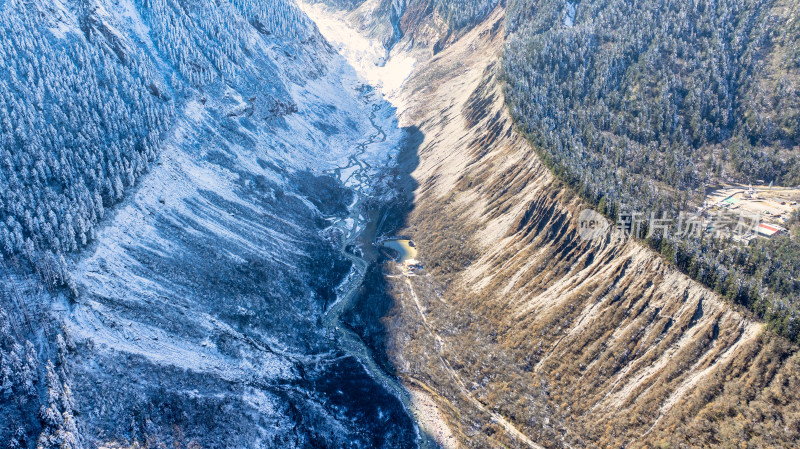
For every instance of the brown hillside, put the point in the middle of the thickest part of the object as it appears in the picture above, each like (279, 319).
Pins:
(524, 329)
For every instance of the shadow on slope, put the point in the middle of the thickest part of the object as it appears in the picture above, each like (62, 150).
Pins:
(374, 301)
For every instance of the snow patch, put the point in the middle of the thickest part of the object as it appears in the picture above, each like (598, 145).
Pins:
(370, 59)
(569, 19)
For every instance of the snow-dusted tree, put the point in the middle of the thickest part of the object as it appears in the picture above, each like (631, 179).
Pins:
(58, 423)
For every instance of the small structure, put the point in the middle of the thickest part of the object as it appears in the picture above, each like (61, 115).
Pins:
(751, 193)
(412, 265)
(769, 230)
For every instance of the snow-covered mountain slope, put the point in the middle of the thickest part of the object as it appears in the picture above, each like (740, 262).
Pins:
(385, 70)
(218, 269)
(419, 27)
(198, 305)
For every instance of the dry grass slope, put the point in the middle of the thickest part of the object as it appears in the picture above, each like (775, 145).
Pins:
(570, 341)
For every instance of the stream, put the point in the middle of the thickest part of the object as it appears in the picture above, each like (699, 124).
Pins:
(352, 228)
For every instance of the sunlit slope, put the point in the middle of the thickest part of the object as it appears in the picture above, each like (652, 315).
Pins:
(570, 341)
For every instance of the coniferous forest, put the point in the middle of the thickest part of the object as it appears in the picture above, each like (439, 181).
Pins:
(84, 113)
(460, 14)
(79, 126)
(81, 118)
(640, 105)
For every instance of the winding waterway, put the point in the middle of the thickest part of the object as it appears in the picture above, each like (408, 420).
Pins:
(352, 228)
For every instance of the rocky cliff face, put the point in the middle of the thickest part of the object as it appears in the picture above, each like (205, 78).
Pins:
(523, 328)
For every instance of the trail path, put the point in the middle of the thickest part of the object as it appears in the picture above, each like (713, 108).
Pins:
(507, 425)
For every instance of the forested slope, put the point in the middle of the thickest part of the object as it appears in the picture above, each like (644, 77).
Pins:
(174, 163)
(640, 105)
(79, 126)
(83, 107)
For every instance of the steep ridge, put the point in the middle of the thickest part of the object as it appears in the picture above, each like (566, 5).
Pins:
(569, 340)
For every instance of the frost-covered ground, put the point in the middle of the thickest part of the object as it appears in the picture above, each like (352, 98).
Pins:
(200, 304)
(382, 69)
